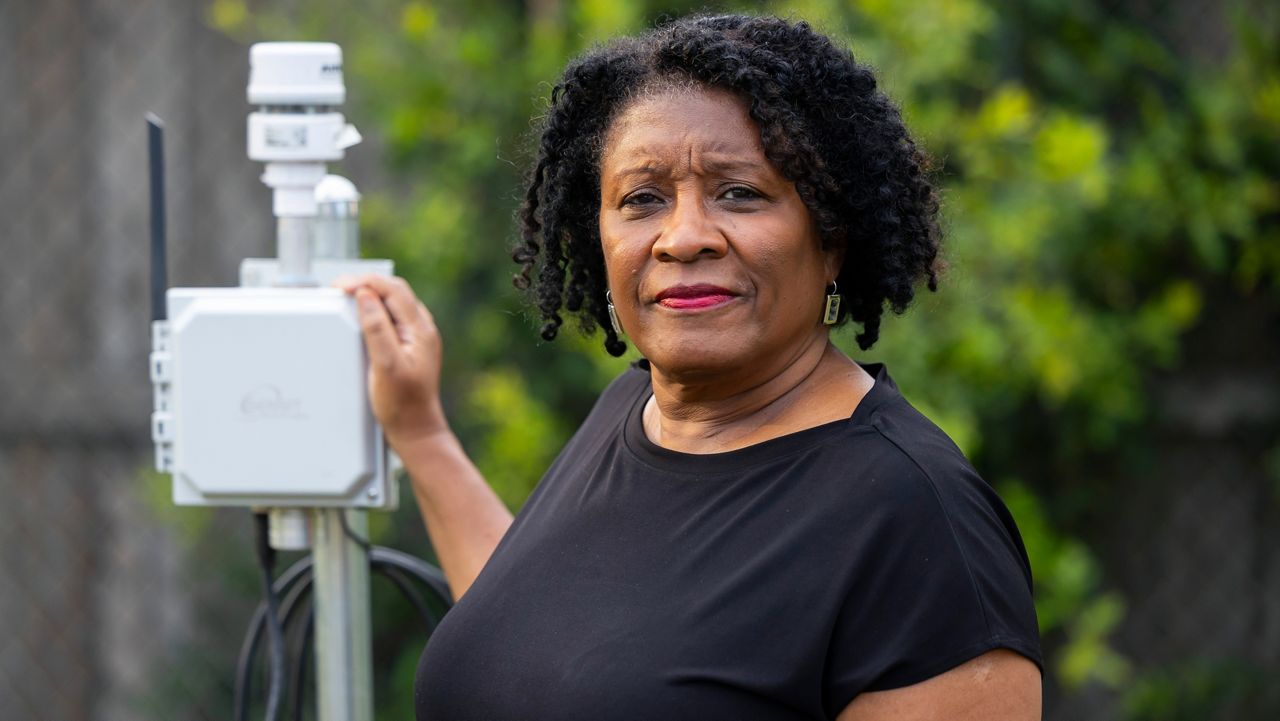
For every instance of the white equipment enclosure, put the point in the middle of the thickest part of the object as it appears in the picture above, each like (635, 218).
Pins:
(267, 404)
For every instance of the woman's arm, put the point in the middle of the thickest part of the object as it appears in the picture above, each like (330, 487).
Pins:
(464, 517)
(999, 685)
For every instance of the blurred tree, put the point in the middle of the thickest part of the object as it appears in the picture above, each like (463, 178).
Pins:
(1096, 185)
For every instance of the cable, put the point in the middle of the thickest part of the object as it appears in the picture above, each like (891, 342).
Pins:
(425, 572)
(294, 586)
(298, 675)
(397, 578)
(275, 632)
(346, 530)
(297, 597)
(298, 601)
(301, 569)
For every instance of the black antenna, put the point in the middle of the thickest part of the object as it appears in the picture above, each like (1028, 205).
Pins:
(159, 271)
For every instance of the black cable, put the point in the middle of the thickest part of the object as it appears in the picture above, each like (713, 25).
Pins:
(298, 674)
(294, 586)
(298, 595)
(396, 576)
(346, 529)
(431, 576)
(275, 632)
(301, 569)
(299, 600)
(425, 572)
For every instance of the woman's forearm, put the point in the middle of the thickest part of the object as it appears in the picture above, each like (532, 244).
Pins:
(464, 517)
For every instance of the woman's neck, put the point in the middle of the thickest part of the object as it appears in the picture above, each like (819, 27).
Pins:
(819, 384)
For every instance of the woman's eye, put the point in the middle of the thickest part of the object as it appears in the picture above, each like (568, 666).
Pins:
(640, 199)
(739, 192)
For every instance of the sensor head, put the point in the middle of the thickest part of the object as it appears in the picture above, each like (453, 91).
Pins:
(296, 74)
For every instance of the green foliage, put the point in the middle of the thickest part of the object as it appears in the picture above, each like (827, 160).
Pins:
(1204, 689)
(519, 439)
(1070, 600)
(1096, 185)
(156, 493)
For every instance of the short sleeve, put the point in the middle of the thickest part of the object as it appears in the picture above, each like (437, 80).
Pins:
(937, 576)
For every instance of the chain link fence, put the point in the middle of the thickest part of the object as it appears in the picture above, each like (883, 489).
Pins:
(114, 605)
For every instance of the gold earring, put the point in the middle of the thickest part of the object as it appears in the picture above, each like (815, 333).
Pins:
(613, 314)
(832, 312)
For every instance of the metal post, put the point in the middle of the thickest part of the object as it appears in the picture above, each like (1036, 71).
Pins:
(343, 638)
(293, 243)
(344, 654)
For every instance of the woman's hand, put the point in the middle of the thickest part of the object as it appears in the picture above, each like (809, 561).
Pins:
(464, 517)
(404, 357)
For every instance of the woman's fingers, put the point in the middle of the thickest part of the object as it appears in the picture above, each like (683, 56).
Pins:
(379, 335)
(410, 320)
(394, 292)
(404, 355)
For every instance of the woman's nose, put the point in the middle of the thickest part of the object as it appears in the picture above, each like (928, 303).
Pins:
(689, 233)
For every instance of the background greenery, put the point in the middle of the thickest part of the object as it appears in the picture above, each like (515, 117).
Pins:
(1098, 187)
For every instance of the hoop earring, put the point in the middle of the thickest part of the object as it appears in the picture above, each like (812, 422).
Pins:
(831, 313)
(613, 314)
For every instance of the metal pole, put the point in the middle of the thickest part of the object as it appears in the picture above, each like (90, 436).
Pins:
(344, 656)
(343, 638)
(293, 248)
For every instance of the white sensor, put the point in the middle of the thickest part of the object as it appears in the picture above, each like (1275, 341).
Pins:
(306, 74)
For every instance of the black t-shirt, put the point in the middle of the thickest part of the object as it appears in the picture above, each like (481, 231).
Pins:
(777, 581)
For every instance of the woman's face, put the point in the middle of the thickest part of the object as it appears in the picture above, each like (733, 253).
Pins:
(713, 261)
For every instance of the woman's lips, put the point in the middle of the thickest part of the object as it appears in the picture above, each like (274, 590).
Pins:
(692, 297)
(702, 301)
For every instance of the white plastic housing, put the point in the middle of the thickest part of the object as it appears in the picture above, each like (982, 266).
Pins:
(296, 74)
(300, 138)
(267, 400)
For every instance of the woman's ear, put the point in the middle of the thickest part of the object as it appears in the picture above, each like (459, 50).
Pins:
(833, 261)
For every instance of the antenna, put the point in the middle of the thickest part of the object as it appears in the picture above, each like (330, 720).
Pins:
(159, 271)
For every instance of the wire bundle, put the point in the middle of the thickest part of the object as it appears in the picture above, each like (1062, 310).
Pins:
(287, 599)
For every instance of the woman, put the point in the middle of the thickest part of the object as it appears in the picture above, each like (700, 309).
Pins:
(749, 525)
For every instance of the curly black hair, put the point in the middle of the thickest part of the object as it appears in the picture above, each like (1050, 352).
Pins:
(822, 122)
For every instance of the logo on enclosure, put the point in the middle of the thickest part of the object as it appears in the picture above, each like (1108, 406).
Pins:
(268, 402)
